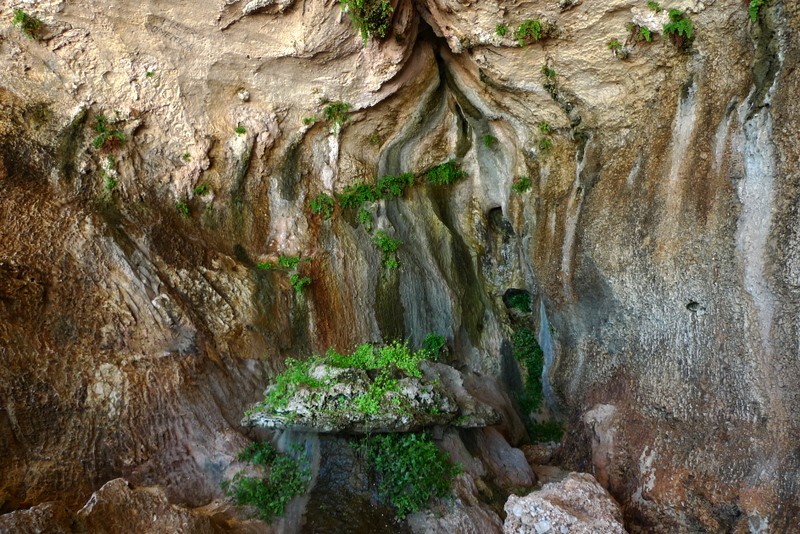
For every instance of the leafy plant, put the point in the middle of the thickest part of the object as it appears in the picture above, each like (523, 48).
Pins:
(520, 301)
(679, 28)
(183, 207)
(445, 174)
(265, 265)
(336, 112)
(308, 121)
(299, 282)
(290, 262)
(521, 184)
(615, 45)
(186, 157)
(283, 477)
(354, 195)
(202, 189)
(532, 30)
(501, 30)
(545, 128)
(322, 204)
(434, 344)
(109, 182)
(107, 139)
(489, 141)
(150, 73)
(28, 24)
(545, 144)
(410, 469)
(241, 130)
(655, 6)
(388, 247)
(370, 17)
(639, 33)
(374, 139)
(755, 8)
(364, 217)
(527, 351)
(393, 186)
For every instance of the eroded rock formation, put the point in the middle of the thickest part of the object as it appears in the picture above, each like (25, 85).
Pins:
(659, 237)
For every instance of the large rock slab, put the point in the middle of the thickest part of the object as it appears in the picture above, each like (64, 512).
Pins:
(575, 505)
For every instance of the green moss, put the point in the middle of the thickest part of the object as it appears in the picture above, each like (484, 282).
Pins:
(411, 470)
(489, 141)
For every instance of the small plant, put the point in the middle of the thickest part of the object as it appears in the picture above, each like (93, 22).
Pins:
(545, 128)
(520, 301)
(322, 204)
(434, 344)
(374, 139)
(265, 265)
(394, 186)
(354, 195)
(532, 30)
(755, 8)
(150, 73)
(489, 141)
(370, 17)
(284, 477)
(109, 182)
(336, 112)
(240, 130)
(29, 25)
(202, 189)
(183, 207)
(107, 139)
(548, 73)
(388, 247)
(654, 6)
(521, 184)
(445, 174)
(309, 121)
(501, 30)
(615, 45)
(186, 157)
(410, 469)
(545, 144)
(364, 217)
(299, 282)
(290, 262)
(679, 28)
(639, 33)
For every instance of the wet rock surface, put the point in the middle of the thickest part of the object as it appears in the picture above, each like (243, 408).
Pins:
(658, 239)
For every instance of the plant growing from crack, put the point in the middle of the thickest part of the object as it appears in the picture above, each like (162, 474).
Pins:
(654, 6)
(183, 207)
(521, 184)
(389, 247)
(28, 24)
(616, 47)
(501, 30)
(679, 28)
(108, 139)
(299, 282)
(755, 7)
(445, 174)
(322, 204)
(532, 30)
(372, 18)
(489, 141)
(336, 112)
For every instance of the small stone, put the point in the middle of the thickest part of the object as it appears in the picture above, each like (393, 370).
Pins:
(542, 527)
(244, 95)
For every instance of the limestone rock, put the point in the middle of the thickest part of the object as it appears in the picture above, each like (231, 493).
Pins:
(576, 505)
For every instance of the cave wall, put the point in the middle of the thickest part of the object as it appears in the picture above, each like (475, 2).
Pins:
(659, 237)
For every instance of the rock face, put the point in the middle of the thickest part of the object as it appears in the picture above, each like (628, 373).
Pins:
(659, 235)
(576, 505)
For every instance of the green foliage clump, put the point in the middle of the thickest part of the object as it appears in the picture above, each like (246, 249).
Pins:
(107, 139)
(309, 121)
(679, 28)
(322, 204)
(284, 477)
(29, 25)
(501, 30)
(445, 174)
(489, 141)
(183, 207)
(202, 189)
(521, 184)
(548, 73)
(410, 469)
(434, 344)
(353, 196)
(299, 282)
(296, 375)
(545, 144)
(528, 352)
(290, 262)
(109, 182)
(546, 431)
(615, 45)
(389, 247)
(265, 265)
(336, 112)
(186, 157)
(545, 128)
(755, 8)
(655, 6)
(520, 301)
(240, 130)
(639, 33)
(393, 186)
(532, 30)
(364, 217)
(370, 17)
